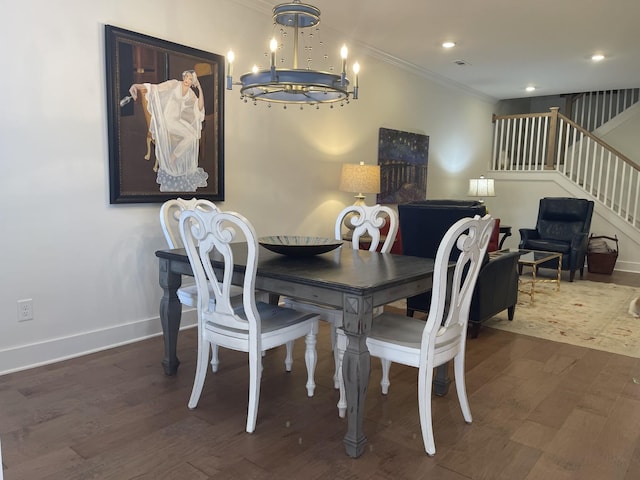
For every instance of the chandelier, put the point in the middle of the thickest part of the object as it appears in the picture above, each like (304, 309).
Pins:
(302, 86)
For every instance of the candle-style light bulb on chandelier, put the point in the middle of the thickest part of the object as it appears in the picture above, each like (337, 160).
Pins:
(302, 86)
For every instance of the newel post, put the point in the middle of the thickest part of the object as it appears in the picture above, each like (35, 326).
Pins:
(552, 139)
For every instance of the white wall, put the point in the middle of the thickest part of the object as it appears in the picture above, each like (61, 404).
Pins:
(89, 266)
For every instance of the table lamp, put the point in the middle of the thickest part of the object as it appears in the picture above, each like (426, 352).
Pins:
(360, 178)
(481, 187)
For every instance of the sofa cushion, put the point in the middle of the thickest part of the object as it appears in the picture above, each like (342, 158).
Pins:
(555, 230)
(549, 246)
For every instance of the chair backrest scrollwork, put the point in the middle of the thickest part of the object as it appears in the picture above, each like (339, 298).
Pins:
(449, 311)
(170, 212)
(205, 233)
(367, 221)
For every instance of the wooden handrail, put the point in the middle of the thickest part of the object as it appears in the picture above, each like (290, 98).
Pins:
(520, 115)
(600, 142)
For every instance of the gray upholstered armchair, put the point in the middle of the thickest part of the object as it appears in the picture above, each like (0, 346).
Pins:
(563, 226)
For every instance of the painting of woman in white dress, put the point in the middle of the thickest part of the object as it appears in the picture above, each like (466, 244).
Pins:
(165, 107)
(176, 111)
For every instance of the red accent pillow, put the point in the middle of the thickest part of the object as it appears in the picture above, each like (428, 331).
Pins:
(495, 236)
(397, 246)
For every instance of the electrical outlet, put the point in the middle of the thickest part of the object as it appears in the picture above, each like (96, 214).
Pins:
(25, 310)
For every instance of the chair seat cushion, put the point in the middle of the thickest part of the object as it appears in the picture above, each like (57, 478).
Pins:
(188, 295)
(406, 333)
(548, 245)
(272, 319)
(398, 329)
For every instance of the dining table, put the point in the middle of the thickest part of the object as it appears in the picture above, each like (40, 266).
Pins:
(356, 281)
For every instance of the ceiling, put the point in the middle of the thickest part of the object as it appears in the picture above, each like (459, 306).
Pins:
(504, 45)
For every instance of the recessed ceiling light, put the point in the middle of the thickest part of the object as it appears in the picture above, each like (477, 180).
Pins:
(449, 44)
(597, 57)
(530, 89)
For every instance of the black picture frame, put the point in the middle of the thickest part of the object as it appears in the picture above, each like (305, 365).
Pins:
(135, 175)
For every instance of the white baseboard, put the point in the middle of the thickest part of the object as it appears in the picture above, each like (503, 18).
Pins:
(622, 266)
(23, 357)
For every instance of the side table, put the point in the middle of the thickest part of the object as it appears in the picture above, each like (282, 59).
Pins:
(505, 231)
(533, 258)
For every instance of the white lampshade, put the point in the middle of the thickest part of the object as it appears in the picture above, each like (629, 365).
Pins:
(481, 187)
(360, 178)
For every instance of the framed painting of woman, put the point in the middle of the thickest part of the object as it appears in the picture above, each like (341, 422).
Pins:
(165, 106)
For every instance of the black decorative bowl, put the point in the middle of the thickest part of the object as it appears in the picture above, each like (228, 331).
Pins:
(297, 246)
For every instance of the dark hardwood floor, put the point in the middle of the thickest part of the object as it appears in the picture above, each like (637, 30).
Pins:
(541, 409)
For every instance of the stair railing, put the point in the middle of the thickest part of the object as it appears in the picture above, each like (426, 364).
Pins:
(552, 141)
(593, 109)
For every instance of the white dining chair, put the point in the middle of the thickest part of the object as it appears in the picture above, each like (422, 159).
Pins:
(426, 345)
(365, 223)
(170, 212)
(238, 323)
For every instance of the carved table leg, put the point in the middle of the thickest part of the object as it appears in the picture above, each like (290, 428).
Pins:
(170, 313)
(356, 368)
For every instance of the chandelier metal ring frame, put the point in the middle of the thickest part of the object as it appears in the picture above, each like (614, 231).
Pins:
(294, 85)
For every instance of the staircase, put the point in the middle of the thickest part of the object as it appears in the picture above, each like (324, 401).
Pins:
(591, 110)
(554, 142)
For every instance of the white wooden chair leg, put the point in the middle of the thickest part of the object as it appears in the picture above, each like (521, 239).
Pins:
(425, 380)
(288, 361)
(215, 361)
(461, 388)
(341, 346)
(255, 373)
(311, 359)
(384, 382)
(334, 348)
(201, 372)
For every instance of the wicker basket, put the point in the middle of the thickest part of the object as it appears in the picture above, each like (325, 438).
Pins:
(600, 257)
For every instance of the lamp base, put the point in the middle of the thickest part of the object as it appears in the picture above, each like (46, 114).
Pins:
(485, 205)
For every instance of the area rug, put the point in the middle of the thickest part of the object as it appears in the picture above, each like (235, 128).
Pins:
(583, 313)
